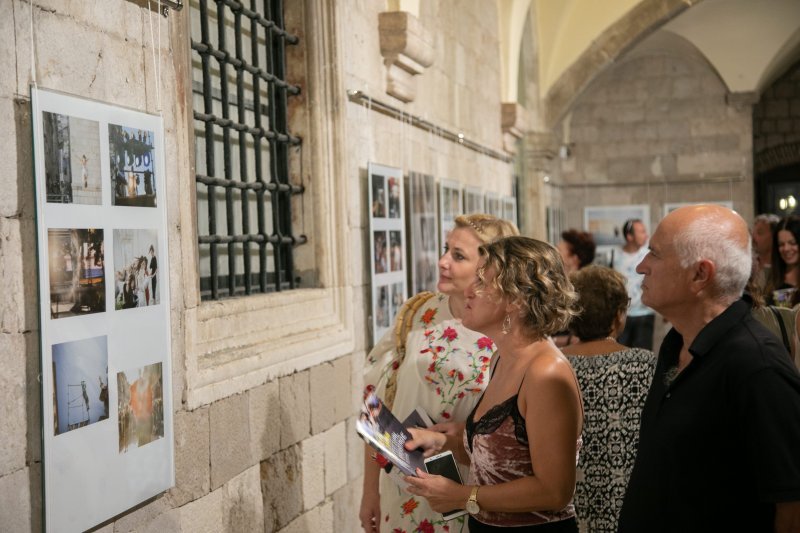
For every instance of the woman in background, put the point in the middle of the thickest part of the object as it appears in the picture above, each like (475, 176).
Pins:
(523, 437)
(785, 274)
(429, 360)
(614, 380)
(577, 249)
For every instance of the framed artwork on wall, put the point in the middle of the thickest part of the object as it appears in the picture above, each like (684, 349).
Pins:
(449, 206)
(104, 308)
(387, 244)
(425, 248)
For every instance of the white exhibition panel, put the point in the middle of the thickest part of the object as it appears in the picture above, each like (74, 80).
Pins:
(96, 467)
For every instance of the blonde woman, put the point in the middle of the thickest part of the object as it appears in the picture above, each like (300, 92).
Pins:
(444, 370)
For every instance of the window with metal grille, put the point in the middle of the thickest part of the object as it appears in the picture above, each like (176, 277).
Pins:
(243, 147)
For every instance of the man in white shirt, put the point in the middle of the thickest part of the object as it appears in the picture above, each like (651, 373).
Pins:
(638, 330)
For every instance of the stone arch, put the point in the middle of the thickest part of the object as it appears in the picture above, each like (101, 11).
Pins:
(639, 22)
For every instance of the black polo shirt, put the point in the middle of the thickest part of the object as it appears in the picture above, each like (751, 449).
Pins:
(721, 444)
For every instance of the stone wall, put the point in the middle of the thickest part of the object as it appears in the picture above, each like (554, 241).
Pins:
(776, 123)
(657, 127)
(267, 443)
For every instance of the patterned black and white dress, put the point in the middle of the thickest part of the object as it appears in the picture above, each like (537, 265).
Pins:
(614, 387)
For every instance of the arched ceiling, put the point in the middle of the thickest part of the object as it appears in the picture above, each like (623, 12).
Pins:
(747, 42)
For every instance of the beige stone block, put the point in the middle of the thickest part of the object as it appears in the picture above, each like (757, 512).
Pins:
(318, 519)
(335, 442)
(12, 402)
(192, 456)
(346, 393)
(346, 502)
(323, 395)
(265, 420)
(242, 505)
(295, 408)
(152, 518)
(204, 515)
(15, 501)
(313, 470)
(711, 163)
(282, 488)
(355, 451)
(18, 307)
(230, 438)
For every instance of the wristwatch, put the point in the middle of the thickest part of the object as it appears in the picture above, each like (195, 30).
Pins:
(472, 503)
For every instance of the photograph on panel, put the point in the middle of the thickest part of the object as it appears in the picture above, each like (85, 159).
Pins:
(135, 268)
(382, 312)
(395, 251)
(77, 278)
(71, 159)
(397, 300)
(140, 404)
(473, 200)
(80, 383)
(133, 177)
(394, 197)
(380, 252)
(378, 196)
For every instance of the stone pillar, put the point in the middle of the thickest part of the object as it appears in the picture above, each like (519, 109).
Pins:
(538, 152)
(513, 125)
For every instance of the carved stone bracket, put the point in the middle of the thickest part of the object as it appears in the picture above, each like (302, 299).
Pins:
(513, 124)
(407, 50)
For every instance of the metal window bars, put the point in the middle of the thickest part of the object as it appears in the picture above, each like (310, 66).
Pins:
(260, 132)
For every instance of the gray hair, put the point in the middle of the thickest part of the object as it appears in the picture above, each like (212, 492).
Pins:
(707, 238)
(767, 218)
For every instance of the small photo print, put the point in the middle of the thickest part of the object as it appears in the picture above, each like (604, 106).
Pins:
(71, 159)
(394, 198)
(382, 307)
(397, 298)
(76, 261)
(395, 251)
(380, 251)
(135, 268)
(140, 405)
(378, 196)
(133, 178)
(80, 383)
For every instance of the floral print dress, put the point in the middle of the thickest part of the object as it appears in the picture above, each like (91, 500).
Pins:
(444, 372)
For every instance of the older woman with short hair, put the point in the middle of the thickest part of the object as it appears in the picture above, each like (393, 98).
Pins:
(614, 380)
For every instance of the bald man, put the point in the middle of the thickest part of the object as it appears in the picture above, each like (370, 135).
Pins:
(719, 443)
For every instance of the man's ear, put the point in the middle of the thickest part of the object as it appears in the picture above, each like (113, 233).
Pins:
(703, 275)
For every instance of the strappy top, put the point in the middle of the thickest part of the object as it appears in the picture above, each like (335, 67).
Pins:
(499, 451)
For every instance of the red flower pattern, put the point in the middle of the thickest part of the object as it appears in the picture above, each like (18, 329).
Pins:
(485, 343)
(428, 315)
(425, 527)
(409, 506)
(450, 334)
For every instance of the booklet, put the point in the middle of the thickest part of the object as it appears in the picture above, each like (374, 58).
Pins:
(378, 426)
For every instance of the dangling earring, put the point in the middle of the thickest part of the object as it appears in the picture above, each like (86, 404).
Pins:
(507, 324)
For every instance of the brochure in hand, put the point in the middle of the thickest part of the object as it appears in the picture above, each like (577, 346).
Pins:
(384, 432)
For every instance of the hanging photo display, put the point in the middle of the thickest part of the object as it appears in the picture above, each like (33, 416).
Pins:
(473, 200)
(104, 309)
(605, 224)
(387, 245)
(510, 209)
(449, 206)
(425, 248)
(493, 204)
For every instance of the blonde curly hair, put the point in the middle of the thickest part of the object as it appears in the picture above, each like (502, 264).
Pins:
(531, 274)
